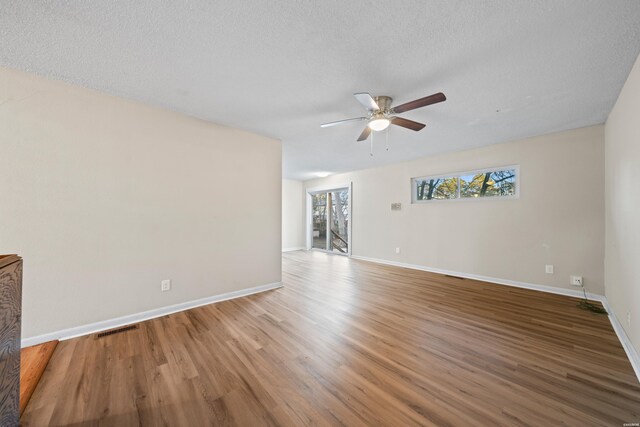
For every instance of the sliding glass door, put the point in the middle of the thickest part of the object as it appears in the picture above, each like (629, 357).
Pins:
(330, 220)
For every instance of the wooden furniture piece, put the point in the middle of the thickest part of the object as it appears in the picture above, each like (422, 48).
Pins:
(33, 361)
(10, 314)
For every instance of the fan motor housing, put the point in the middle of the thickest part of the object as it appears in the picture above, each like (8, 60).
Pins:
(384, 102)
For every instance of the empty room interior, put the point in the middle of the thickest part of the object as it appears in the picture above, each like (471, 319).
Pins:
(410, 213)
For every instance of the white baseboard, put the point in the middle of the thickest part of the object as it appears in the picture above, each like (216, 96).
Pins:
(632, 354)
(92, 328)
(297, 248)
(525, 285)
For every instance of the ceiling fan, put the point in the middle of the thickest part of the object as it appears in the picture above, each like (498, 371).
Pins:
(380, 114)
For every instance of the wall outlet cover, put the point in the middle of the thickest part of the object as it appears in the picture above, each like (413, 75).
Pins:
(166, 285)
(576, 281)
(548, 269)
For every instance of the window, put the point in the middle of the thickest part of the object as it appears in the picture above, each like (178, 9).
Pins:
(436, 188)
(497, 182)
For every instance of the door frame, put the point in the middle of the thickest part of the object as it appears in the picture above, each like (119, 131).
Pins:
(308, 219)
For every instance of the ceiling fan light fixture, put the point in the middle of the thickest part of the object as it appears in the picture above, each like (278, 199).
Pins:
(380, 113)
(379, 124)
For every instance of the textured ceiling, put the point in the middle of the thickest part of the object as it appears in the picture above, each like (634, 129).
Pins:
(510, 69)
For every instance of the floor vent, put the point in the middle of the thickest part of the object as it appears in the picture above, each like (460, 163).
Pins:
(116, 331)
(455, 277)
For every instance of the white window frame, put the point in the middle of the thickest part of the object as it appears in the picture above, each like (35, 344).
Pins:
(414, 188)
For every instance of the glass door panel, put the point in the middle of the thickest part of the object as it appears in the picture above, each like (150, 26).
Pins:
(319, 220)
(339, 221)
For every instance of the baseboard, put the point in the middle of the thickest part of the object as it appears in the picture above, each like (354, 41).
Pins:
(91, 328)
(628, 347)
(297, 248)
(632, 354)
(514, 283)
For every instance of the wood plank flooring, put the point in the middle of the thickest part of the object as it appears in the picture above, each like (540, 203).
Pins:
(347, 342)
(33, 361)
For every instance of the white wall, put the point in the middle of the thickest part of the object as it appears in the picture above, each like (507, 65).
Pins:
(104, 198)
(622, 201)
(558, 219)
(292, 215)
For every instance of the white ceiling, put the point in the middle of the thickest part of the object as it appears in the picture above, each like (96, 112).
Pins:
(510, 69)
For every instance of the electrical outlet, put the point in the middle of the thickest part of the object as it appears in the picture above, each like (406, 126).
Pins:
(397, 250)
(166, 285)
(548, 269)
(628, 318)
(576, 281)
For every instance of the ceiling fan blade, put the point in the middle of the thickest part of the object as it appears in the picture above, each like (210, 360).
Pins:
(367, 101)
(422, 102)
(365, 134)
(339, 122)
(406, 123)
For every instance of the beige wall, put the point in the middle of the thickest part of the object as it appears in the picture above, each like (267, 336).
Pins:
(292, 214)
(104, 198)
(558, 219)
(622, 201)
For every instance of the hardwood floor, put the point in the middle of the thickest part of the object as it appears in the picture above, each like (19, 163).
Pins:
(347, 342)
(33, 361)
